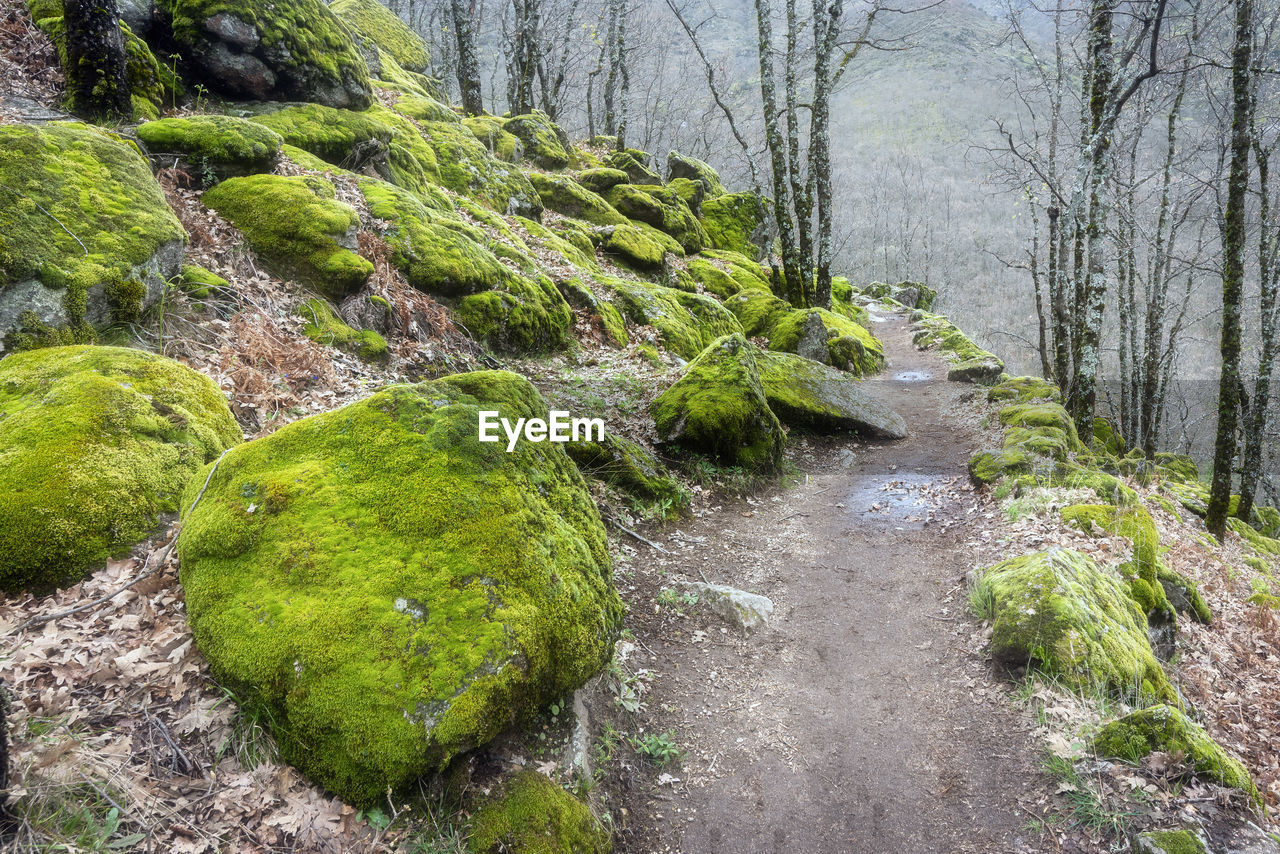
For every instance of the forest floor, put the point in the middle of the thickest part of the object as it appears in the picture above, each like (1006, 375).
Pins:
(861, 718)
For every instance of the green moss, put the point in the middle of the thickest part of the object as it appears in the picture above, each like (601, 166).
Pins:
(522, 315)
(1041, 415)
(735, 221)
(395, 78)
(325, 327)
(660, 208)
(969, 362)
(532, 815)
(608, 318)
(579, 253)
(622, 463)
(437, 255)
(392, 591)
(309, 50)
(814, 333)
(200, 283)
(633, 245)
(1105, 439)
(1167, 729)
(297, 228)
(229, 146)
(326, 132)
(467, 167)
(803, 392)
(693, 169)
(1023, 390)
(1059, 611)
(718, 407)
(376, 24)
(600, 180)
(544, 142)
(1178, 467)
(1142, 572)
(1258, 542)
(687, 323)
(97, 443)
(1184, 595)
(566, 196)
(490, 131)
(1170, 842)
(79, 210)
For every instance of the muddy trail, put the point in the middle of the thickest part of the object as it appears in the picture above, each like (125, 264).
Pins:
(860, 719)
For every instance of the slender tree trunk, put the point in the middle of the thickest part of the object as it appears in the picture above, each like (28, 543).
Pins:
(1233, 239)
(468, 65)
(826, 31)
(611, 79)
(97, 79)
(1042, 320)
(624, 75)
(1255, 428)
(795, 171)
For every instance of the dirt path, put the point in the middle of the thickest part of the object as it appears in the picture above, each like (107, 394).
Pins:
(859, 720)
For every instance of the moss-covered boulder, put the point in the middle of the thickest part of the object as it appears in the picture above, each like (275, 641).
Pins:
(96, 443)
(693, 169)
(524, 314)
(802, 392)
(814, 333)
(1167, 729)
(376, 28)
(425, 108)
(1061, 612)
(545, 143)
(225, 146)
(969, 362)
(1177, 467)
(635, 245)
(660, 208)
(566, 196)
(288, 50)
(297, 227)
(903, 294)
(1142, 571)
(718, 407)
(736, 221)
(1023, 390)
(726, 273)
(686, 322)
(390, 591)
(636, 164)
(622, 463)
(530, 814)
(467, 167)
(492, 132)
(601, 179)
(322, 325)
(86, 237)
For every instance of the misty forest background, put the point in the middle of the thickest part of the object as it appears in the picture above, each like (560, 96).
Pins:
(952, 126)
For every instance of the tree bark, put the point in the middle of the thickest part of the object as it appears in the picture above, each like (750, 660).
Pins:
(468, 63)
(1256, 421)
(826, 31)
(97, 78)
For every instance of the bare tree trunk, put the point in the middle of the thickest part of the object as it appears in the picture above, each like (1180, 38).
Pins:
(1042, 321)
(468, 67)
(624, 75)
(826, 31)
(777, 144)
(1256, 421)
(795, 173)
(1233, 238)
(97, 79)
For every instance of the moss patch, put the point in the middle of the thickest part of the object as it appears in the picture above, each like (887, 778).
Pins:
(297, 227)
(969, 362)
(490, 131)
(687, 323)
(532, 815)
(228, 146)
(376, 25)
(1136, 525)
(97, 443)
(601, 179)
(566, 196)
(393, 591)
(325, 327)
(693, 169)
(718, 407)
(200, 283)
(1023, 390)
(522, 315)
(814, 333)
(803, 392)
(467, 167)
(622, 463)
(735, 221)
(544, 142)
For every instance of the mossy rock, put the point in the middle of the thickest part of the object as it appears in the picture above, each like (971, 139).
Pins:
(804, 393)
(693, 169)
(522, 315)
(1135, 524)
(1167, 729)
(86, 237)
(392, 77)
(718, 407)
(1106, 439)
(686, 323)
(297, 228)
(737, 222)
(1023, 390)
(577, 252)
(287, 50)
(388, 591)
(601, 179)
(1050, 415)
(814, 333)
(622, 463)
(201, 283)
(530, 814)
(842, 301)
(742, 274)
(634, 245)
(662, 209)
(635, 164)
(491, 131)
(98, 442)
(969, 362)
(1108, 487)
(565, 196)
(1063, 613)
(604, 314)
(323, 326)
(377, 27)
(545, 143)
(1184, 595)
(1169, 842)
(425, 108)
(1177, 467)
(437, 254)
(1257, 541)
(227, 146)
(467, 167)
(914, 295)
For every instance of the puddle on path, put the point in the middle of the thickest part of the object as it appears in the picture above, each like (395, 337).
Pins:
(905, 501)
(913, 376)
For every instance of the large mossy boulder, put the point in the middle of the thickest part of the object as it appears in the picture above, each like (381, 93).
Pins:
(543, 141)
(737, 222)
(686, 322)
(1060, 611)
(969, 362)
(636, 245)
(1167, 729)
(377, 28)
(636, 164)
(389, 590)
(525, 314)
(469, 168)
(1142, 572)
(96, 443)
(804, 393)
(86, 237)
(718, 407)
(693, 169)
(223, 146)
(726, 273)
(288, 50)
(530, 814)
(660, 208)
(298, 229)
(567, 197)
(1023, 390)
(814, 333)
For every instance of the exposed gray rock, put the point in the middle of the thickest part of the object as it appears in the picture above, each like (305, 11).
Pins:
(803, 392)
(746, 611)
(979, 371)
